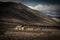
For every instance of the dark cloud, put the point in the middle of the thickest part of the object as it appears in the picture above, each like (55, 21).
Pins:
(36, 1)
(43, 1)
(10, 0)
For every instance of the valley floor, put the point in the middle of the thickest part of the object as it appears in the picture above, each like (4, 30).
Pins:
(31, 35)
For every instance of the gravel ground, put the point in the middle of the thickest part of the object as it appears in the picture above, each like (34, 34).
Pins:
(25, 35)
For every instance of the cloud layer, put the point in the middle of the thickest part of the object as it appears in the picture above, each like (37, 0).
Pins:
(51, 10)
(46, 7)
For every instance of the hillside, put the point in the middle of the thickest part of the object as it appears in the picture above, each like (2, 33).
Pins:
(19, 13)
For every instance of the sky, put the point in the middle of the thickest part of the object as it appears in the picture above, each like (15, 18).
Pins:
(48, 7)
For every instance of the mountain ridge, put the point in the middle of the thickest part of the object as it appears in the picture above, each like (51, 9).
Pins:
(18, 11)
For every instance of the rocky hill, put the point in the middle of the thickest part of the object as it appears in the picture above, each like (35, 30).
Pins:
(19, 13)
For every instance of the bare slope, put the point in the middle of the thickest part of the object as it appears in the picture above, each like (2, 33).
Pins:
(19, 13)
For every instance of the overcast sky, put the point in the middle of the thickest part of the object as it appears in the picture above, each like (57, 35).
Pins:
(48, 7)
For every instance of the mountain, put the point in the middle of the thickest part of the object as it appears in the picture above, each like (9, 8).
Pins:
(19, 13)
(16, 13)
